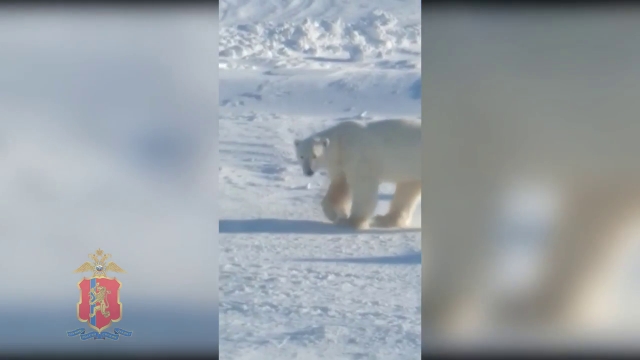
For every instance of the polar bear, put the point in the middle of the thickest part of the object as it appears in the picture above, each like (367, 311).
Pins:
(359, 157)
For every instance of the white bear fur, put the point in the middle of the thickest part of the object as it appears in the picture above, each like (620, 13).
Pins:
(359, 157)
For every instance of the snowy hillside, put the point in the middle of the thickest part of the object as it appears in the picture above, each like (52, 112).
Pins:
(292, 285)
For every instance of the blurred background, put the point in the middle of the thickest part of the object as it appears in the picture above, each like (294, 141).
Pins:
(531, 168)
(108, 139)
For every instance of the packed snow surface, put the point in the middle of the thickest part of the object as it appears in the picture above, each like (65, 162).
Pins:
(293, 285)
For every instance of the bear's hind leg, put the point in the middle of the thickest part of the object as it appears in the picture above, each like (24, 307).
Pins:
(335, 203)
(365, 199)
(402, 205)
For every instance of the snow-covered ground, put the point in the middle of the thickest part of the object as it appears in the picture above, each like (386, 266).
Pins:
(108, 140)
(292, 285)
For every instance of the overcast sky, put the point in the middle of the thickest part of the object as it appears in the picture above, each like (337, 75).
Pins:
(108, 139)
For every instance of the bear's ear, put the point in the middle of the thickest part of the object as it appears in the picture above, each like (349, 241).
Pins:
(325, 142)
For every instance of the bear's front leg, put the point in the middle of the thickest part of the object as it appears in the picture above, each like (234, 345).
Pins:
(335, 204)
(365, 199)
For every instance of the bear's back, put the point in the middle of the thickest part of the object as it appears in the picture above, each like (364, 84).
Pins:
(396, 132)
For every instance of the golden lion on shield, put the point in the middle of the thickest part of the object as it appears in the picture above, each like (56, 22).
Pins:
(100, 301)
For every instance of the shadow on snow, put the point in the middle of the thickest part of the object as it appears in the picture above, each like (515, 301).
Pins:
(414, 258)
(282, 226)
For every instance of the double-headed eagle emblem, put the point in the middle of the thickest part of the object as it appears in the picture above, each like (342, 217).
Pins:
(99, 265)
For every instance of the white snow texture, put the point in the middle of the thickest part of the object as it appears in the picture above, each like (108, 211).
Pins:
(293, 285)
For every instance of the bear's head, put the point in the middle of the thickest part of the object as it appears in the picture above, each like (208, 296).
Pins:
(311, 153)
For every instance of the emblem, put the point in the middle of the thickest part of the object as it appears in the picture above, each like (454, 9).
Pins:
(99, 304)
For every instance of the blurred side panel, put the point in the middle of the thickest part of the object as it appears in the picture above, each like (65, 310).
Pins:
(531, 236)
(108, 140)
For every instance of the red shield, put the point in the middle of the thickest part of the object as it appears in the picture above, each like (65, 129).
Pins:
(99, 303)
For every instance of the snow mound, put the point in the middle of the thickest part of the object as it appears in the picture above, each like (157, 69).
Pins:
(374, 36)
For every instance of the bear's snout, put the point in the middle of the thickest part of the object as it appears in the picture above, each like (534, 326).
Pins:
(309, 172)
